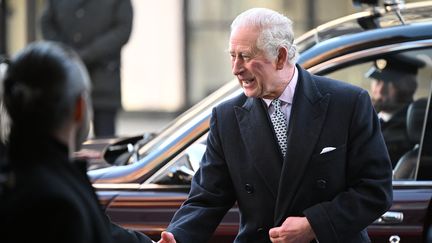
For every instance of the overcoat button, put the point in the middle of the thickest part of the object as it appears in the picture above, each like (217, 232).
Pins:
(249, 188)
(321, 183)
(259, 230)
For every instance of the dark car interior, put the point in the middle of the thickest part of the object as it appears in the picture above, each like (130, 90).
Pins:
(407, 164)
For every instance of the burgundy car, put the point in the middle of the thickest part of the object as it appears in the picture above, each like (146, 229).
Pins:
(145, 179)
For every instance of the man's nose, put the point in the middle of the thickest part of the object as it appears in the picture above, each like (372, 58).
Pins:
(237, 66)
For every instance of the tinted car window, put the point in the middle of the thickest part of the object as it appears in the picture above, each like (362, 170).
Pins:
(404, 130)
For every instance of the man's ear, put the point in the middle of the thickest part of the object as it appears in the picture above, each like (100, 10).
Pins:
(281, 58)
(80, 109)
(82, 119)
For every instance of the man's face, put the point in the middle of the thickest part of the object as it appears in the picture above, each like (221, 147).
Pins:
(255, 72)
(384, 96)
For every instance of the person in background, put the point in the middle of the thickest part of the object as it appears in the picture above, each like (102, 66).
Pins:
(4, 129)
(302, 155)
(4, 120)
(97, 30)
(394, 82)
(45, 196)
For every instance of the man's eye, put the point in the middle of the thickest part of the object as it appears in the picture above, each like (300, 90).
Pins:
(245, 57)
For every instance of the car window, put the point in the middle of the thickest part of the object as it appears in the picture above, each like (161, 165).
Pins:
(399, 85)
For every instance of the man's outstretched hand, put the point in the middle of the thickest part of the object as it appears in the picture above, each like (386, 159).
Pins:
(167, 237)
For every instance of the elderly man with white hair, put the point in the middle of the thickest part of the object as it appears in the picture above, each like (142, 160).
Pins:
(302, 155)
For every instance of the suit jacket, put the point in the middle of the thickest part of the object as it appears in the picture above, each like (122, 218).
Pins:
(48, 199)
(340, 192)
(97, 30)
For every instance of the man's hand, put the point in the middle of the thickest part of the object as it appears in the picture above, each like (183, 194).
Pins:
(167, 237)
(293, 229)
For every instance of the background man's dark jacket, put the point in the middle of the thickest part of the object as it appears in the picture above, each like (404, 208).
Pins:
(97, 30)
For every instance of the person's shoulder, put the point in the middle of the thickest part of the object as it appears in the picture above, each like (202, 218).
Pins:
(35, 189)
(47, 182)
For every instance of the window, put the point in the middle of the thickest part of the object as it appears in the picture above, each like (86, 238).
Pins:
(400, 86)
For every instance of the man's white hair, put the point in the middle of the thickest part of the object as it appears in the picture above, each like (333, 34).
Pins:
(275, 31)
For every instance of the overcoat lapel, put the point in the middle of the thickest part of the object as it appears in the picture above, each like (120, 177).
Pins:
(306, 121)
(258, 137)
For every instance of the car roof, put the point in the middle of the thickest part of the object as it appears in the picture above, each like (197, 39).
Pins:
(373, 18)
(314, 45)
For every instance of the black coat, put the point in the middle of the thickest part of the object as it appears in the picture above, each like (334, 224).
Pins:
(97, 30)
(340, 192)
(49, 199)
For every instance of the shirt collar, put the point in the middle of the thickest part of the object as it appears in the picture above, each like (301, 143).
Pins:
(288, 94)
(385, 116)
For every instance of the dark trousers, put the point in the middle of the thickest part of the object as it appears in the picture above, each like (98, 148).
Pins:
(104, 122)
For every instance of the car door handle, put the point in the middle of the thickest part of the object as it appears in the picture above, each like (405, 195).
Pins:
(390, 218)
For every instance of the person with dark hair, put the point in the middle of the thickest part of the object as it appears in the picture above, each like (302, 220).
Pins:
(301, 155)
(46, 196)
(97, 30)
(394, 82)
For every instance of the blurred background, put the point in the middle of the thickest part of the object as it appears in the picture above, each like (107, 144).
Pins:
(176, 54)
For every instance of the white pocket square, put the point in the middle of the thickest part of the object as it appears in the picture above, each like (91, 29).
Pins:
(327, 149)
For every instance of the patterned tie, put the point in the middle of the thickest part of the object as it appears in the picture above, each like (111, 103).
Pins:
(280, 125)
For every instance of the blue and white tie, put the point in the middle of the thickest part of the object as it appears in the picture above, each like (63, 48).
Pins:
(280, 125)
